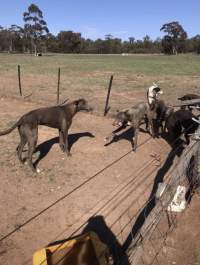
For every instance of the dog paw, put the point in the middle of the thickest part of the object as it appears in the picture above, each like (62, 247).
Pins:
(69, 154)
(38, 170)
(109, 139)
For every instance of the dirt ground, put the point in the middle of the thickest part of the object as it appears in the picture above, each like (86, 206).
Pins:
(116, 183)
(183, 244)
(115, 179)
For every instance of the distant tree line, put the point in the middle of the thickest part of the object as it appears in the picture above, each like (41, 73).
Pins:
(35, 37)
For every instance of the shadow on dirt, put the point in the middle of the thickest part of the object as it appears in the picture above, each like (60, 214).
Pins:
(98, 225)
(46, 146)
(151, 202)
(125, 134)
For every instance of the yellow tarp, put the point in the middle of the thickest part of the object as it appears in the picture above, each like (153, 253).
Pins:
(87, 247)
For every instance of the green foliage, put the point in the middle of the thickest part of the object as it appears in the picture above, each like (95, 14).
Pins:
(69, 42)
(174, 41)
(35, 26)
(196, 44)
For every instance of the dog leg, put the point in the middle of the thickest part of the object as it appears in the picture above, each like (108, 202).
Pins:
(152, 128)
(22, 143)
(31, 149)
(135, 139)
(20, 149)
(158, 129)
(161, 127)
(65, 138)
(61, 141)
(146, 123)
(32, 142)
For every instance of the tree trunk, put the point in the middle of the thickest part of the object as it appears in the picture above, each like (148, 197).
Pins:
(33, 46)
(175, 50)
(35, 49)
(11, 46)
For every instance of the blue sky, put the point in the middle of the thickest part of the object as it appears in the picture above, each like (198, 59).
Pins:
(94, 19)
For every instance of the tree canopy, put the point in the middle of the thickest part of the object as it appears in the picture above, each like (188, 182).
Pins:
(35, 26)
(173, 42)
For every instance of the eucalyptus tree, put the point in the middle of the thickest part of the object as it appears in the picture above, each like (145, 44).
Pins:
(15, 37)
(174, 40)
(35, 27)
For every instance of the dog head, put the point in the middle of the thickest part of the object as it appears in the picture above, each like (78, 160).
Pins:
(82, 105)
(153, 92)
(121, 118)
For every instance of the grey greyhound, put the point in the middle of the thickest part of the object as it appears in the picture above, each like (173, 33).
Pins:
(59, 117)
(133, 117)
(136, 114)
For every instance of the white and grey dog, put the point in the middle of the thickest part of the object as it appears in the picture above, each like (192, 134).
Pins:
(152, 93)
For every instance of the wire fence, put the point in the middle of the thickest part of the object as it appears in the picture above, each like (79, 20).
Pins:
(141, 238)
(139, 233)
(135, 226)
(146, 247)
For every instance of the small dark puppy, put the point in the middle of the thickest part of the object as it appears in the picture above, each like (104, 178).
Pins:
(59, 117)
(181, 120)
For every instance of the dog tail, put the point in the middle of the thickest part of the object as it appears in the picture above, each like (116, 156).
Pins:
(11, 128)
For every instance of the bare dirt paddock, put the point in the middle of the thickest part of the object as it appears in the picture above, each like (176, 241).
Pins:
(24, 194)
(110, 182)
(116, 178)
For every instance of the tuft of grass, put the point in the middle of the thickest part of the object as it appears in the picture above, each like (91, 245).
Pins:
(51, 178)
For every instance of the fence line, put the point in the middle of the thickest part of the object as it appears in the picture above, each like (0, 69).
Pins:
(69, 193)
(178, 176)
(152, 219)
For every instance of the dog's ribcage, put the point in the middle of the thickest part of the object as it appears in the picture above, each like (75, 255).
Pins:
(137, 113)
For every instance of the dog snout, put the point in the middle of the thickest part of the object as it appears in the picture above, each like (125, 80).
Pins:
(87, 108)
(117, 123)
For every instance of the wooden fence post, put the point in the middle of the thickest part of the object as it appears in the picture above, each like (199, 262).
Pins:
(108, 96)
(19, 79)
(58, 86)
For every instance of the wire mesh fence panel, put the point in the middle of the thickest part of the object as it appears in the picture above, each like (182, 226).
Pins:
(149, 245)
